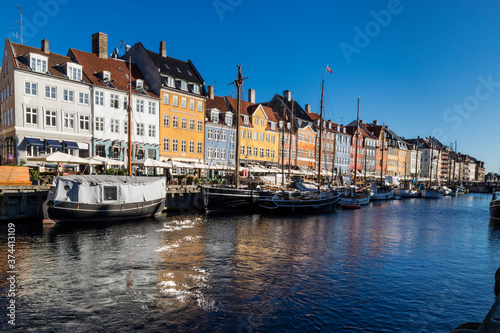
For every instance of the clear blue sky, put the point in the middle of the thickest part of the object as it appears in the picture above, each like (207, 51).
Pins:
(423, 67)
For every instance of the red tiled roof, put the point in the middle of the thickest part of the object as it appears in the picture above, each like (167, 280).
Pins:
(119, 69)
(19, 51)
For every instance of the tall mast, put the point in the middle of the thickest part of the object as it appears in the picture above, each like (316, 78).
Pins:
(356, 148)
(129, 155)
(290, 139)
(283, 143)
(334, 152)
(382, 159)
(454, 161)
(321, 130)
(430, 172)
(239, 83)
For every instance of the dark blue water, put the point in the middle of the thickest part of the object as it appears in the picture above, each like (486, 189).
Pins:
(401, 266)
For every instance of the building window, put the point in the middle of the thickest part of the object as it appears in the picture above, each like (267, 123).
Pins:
(30, 88)
(268, 138)
(245, 120)
(140, 129)
(223, 136)
(115, 125)
(140, 154)
(114, 101)
(50, 92)
(99, 98)
(84, 122)
(200, 106)
(223, 154)
(267, 153)
(184, 85)
(140, 105)
(200, 126)
(196, 88)
(170, 82)
(125, 103)
(166, 120)
(191, 104)
(175, 121)
(166, 99)
(176, 100)
(256, 152)
(183, 146)
(184, 102)
(152, 131)
(31, 116)
(242, 150)
(261, 152)
(68, 95)
(39, 65)
(272, 154)
(50, 117)
(217, 135)
(125, 127)
(200, 147)
(249, 134)
(69, 120)
(216, 153)
(249, 151)
(191, 124)
(84, 98)
(272, 139)
(210, 152)
(151, 107)
(166, 144)
(231, 155)
(210, 133)
(191, 146)
(214, 116)
(256, 121)
(243, 133)
(100, 150)
(99, 123)
(75, 73)
(232, 137)
(183, 123)
(174, 145)
(229, 120)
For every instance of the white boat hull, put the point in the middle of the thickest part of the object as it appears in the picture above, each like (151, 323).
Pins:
(431, 194)
(354, 200)
(407, 193)
(382, 195)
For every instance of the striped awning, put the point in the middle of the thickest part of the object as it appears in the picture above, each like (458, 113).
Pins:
(53, 143)
(35, 142)
(71, 145)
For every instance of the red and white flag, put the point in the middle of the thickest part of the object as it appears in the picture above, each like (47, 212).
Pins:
(328, 69)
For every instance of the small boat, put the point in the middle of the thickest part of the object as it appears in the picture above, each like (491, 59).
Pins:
(92, 198)
(495, 207)
(300, 202)
(381, 192)
(231, 198)
(431, 193)
(353, 196)
(407, 193)
(346, 206)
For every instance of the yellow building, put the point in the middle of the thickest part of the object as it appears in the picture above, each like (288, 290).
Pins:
(259, 133)
(182, 102)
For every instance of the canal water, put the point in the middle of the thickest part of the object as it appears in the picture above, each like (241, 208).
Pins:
(412, 265)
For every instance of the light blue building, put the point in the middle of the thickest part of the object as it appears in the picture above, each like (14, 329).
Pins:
(220, 135)
(342, 150)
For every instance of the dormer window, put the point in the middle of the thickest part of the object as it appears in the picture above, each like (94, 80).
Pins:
(170, 82)
(214, 116)
(196, 88)
(273, 125)
(184, 85)
(229, 119)
(38, 63)
(189, 72)
(178, 69)
(106, 76)
(281, 124)
(139, 84)
(245, 120)
(288, 125)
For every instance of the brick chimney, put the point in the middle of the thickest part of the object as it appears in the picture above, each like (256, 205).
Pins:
(163, 49)
(288, 95)
(251, 95)
(45, 46)
(211, 92)
(375, 122)
(100, 45)
(308, 107)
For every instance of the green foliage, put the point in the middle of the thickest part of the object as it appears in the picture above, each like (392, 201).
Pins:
(189, 179)
(34, 174)
(22, 162)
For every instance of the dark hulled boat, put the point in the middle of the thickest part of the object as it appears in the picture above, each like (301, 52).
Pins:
(495, 207)
(95, 198)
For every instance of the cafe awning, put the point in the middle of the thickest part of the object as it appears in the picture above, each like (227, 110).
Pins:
(71, 145)
(35, 142)
(53, 143)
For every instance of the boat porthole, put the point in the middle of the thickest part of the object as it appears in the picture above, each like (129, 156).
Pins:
(67, 188)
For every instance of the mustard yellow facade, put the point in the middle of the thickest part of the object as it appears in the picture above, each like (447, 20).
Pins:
(259, 136)
(182, 126)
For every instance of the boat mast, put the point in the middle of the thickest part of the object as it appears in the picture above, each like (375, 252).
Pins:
(290, 139)
(356, 148)
(382, 159)
(334, 152)
(239, 83)
(283, 143)
(321, 130)
(430, 172)
(129, 153)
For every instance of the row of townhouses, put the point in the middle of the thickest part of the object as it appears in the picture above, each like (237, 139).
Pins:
(78, 103)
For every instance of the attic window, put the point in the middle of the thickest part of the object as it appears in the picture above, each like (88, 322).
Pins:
(38, 63)
(245, 120)
(196, 88)
(178, 69)
(229, 119)
(139, 84)
(214, 116)
(170, 82)
(106, 76)
(189, 72)
(273, 125)
(167, 66)
(183, 85)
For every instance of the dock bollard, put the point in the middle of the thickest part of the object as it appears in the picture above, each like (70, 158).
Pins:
(491, 323)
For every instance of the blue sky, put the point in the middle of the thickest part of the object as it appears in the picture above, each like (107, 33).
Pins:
(423, 67)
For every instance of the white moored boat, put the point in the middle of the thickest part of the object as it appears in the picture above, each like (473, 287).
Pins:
(381, 192)
(431, 193)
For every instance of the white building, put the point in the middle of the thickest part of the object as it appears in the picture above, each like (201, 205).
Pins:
(45, 104)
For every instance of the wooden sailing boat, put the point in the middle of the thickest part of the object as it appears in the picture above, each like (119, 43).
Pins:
(307, 201)
(233, 197)
(101, 198)
(381, 191)
(353, 195)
